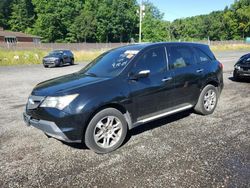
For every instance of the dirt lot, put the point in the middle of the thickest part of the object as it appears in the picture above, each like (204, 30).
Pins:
(184, 150)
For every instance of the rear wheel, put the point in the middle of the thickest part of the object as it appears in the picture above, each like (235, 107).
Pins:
(106, 131)
(207, 101)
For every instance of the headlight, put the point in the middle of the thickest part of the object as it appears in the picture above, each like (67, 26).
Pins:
(58, 102)
(237, 67)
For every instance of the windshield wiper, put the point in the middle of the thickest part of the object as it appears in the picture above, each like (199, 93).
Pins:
(90, 74)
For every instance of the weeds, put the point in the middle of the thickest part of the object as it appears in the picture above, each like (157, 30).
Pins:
(26, 57)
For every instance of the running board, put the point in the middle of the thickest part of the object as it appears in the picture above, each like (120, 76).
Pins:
(164, 114)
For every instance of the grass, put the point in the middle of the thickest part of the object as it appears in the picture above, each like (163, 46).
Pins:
(87, 55)
(27, 57)
(9, 57)
(230, 47)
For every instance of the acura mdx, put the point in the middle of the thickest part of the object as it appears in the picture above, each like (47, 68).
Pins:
(124, 88)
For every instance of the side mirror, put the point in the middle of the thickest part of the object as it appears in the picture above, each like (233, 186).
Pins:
(141, 74)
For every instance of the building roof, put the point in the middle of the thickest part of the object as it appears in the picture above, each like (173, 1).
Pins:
(4, 33)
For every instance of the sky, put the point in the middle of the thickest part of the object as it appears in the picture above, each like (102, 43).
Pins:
(174, 9)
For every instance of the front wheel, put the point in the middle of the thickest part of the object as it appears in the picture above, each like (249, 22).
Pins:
(106, 131)
(207, 101)
(72, 61)
(236, 76)
(60, 64)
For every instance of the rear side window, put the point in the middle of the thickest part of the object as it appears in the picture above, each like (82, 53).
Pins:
(205, 49)
(181, 56)
(153, 60)
(201, 56)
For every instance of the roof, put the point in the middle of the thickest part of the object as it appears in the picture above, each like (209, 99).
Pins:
(140, 46)
(16, 34)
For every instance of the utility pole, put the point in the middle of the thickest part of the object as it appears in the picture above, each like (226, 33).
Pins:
(141, 12)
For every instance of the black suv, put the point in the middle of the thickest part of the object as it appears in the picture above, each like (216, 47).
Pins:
(242, 67)
(124, 88)
(58, 58)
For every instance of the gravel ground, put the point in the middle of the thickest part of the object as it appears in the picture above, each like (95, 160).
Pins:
(184, 150)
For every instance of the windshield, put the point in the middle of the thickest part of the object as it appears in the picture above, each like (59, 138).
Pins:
(109, 64)
(55, 53)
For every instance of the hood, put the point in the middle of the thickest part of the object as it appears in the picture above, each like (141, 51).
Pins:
(243, 61)
(52, 57)
(64, 84)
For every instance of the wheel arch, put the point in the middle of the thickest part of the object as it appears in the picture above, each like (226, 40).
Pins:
(212, 82)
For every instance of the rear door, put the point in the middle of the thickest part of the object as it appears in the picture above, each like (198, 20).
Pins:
(153, 94)
(186, 74)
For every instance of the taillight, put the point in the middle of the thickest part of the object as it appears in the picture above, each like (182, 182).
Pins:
(221, 65)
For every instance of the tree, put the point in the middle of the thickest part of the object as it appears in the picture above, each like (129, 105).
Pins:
(84, 27)
(22, 16)
(5, 12)
(154, 29)
(54, 18)
(116, 20)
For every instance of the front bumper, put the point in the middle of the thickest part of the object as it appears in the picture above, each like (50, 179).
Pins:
(49, 127)
(50, 63)
(242, 72)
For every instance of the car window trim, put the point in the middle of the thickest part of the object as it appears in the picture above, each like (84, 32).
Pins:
(186, 46)
(167, 59)
(197, 49)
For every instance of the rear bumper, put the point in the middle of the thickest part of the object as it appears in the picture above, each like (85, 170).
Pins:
(49, 127)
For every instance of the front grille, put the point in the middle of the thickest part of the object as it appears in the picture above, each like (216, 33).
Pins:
(48, 62)
(34, 102)
(245, 69)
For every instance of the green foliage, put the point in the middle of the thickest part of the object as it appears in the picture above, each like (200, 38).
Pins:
(118, 21)
(231, 24)
(105, 21)
(154, 29)
(9, 57)
(5, 12)
(27, 57)
(22, 16)
(54, 18)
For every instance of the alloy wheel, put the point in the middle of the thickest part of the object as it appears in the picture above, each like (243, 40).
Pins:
(108, 132)
(210, 99)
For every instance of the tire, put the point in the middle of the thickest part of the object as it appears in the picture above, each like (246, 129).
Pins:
(60, 63)
(72, 61)
(207, 101)
(103, 127)
(45, 66)
(236, 76)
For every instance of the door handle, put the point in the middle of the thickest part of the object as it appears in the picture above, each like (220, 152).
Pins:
(200, 70)
(166, 79)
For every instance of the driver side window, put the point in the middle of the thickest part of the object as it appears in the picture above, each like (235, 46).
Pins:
(153, 60)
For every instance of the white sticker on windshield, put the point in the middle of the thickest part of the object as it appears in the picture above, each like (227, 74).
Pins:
(133, 52)
(121, 64)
